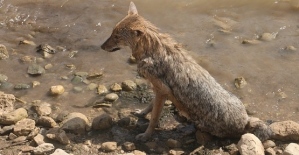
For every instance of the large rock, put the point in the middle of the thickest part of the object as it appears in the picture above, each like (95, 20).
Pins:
(43, 148)
(128, 85)
(6, 103)
(249, 144)
(47, 122)
(42, 108)
(286, 130)
(291, 149)
(58, 135)
(13, 117)
(76, 123)
(103, 121)
(24, 127)
(35, 69)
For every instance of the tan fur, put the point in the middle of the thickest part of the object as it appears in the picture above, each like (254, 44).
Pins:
(176, 76)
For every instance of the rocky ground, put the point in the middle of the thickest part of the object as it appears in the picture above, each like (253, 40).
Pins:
(39, 128)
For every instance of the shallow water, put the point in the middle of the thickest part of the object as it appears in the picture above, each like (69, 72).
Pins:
(84, 25)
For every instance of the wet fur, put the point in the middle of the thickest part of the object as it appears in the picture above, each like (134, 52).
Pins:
(176, 76)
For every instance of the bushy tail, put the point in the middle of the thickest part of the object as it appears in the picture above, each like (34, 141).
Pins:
(259, 128)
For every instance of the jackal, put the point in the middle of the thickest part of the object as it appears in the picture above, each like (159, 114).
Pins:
(177, 77)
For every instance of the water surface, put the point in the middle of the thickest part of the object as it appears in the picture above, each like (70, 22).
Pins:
(211, 30)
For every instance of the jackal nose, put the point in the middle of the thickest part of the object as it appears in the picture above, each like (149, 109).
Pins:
(103, 47)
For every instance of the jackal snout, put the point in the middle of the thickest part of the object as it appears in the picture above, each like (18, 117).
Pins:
(110, 45)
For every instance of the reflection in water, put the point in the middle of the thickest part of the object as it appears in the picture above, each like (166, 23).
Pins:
(212, 30)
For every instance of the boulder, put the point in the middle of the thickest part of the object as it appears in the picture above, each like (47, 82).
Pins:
(291, 149)
(249, 144)
(103, 121)
(47, 122)
(76, 123)
(13, 117)
(6, 103)
(24, 127)
(285, 130)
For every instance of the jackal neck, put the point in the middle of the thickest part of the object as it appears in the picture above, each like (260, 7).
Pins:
(153, 44)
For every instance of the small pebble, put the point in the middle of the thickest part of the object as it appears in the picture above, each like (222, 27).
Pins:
(267, 37)
(240, 82)
(109, 146)
(56, 90)
(102, 89)
(27, 42)
(77, 89)
(3, 78)
(290, 48)
(115, 87)
(48, 66)
(129, 146)
(111, 97)
(3, 52)
(81, 74)
(77, 79)
(22, 86)
(132, 59)
(92, 86)
(35, 83)
(128, 85)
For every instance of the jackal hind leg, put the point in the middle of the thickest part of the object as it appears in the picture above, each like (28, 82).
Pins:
(156, 112)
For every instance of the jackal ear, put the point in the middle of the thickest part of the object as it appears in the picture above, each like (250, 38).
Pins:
(138, 33)
(132, 9)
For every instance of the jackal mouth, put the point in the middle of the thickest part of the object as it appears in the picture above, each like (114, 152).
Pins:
(115, 49)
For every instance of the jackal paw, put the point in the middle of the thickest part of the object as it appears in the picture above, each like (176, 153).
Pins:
(142, 137)
(139, 113)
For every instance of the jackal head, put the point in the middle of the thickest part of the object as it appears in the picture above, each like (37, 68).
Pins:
(127, 32)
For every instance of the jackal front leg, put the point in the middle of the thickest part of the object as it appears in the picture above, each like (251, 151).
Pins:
(156, 112)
